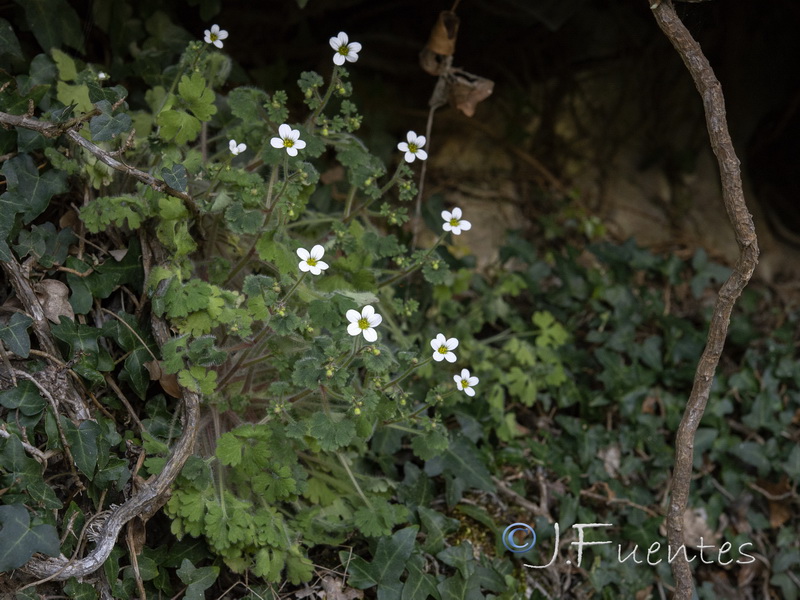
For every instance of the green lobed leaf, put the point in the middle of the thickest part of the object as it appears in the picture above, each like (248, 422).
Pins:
(20, 540)
(28, 192)
(105, 126)
(197, 96)
(388, 563)
(54, 23)
(197, 580)
(178, 126)
(82, 442)
(25, 397)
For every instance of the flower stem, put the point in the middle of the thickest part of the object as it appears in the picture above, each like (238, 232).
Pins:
(406, 373)
(294, 287)
(416, 267)
(349, 202)
(331, 86)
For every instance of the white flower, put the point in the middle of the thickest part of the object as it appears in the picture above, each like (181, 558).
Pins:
(290, 139)
(465, 382)
(236, 149)
(365, 322)
(311, 260)
(413, 148)
(215, 35)
(443, 348)
(344, 51)
(453, 222)
(102, 75)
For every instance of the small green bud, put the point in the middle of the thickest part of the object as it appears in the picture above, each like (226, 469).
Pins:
(329, 373)
(402, 402)
(308, 93)
(376, 351)
(324, 131)
(414, 361)
(356, 411)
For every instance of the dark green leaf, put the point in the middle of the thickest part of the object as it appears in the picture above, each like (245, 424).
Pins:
(389, 562)
(176, 177)
(15, 334)
(198, 580)
(457, 588)
(31, 193)
(9, 44)
(105, 127)
(419, 585)
(20, 540)
(54, 23)
(82, 442)
(24, 397)
(436, 526)
(80, 591)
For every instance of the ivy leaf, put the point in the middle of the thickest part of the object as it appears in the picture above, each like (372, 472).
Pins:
(388, 564)
(15, 334)
(29, 193)
(9, 44)
(80, 591)
(25, 397)
(176, 177)
(53, 23)
(107, 126)
(458, 588)
(82, 442)
(78, 337)
(179, 126)
(419, 585)
(436, 527)
(197, 580)
(197, 96)
(20, 540)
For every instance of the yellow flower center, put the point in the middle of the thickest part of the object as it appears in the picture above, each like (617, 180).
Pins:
(412, 148)
(344, 50)
(363, 323)
(311, 261)
(214, 37)
(288, 143)
(464, 383)
(454, 222)
(442, 350)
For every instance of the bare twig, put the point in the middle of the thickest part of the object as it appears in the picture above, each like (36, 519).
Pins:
(52, 130)
(733, 198)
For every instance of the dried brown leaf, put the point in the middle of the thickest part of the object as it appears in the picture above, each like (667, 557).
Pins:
(54, 298)
(444, 34)
(467, 90)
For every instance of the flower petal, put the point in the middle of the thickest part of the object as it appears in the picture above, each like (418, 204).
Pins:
(335, 43)
(450, 357)
(473, 381)
(351, 57)
(438, 357)
(303, 253)
(367, 311)
(447, 227)
(457, 213)
(421, 154)
(299, 144)
(285, 131)
(322, 264)
(402, 146)
(317, 252)
(370, 335)
(411, 136)
(447, 215)
(410, 157)
(223, 35)
(469, 391)
(218, 43)
(315, 270)
(355, 47)
(338, 59)
(456, 230)
(375, 320)
(343, 39)
(232, 146)
(420, 142)
(353, 329)
(304, 266)
(291, 151)
(458, 380)
(353, 316)
(451, 344)
(465, 225)
(464, 373)
(276, 143)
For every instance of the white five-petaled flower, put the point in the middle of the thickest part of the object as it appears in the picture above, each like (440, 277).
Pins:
(215, 35)
(236, 149)
(454, 223)
(413, 147)
(102, 75)
(345, 50)
(310, 261)
(443, 348)
(290, 139)
(465, 382)
(364, 322)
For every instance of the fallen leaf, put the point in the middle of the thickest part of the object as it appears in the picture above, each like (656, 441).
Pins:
(54, 297)
(467, 90)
